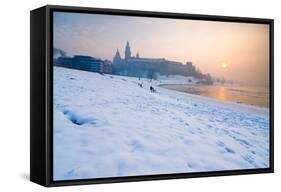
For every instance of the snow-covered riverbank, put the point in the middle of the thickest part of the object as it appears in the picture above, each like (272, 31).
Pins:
(108, 126)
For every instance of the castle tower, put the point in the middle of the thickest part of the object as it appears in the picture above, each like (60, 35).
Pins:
(117, 58)
(127, 51)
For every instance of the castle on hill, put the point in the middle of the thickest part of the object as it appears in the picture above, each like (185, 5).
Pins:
(149, 67)
(135, 66)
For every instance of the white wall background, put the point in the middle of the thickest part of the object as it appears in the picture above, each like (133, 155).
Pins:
(14, 94)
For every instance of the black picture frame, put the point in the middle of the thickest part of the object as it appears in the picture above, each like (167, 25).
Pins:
(41, 92)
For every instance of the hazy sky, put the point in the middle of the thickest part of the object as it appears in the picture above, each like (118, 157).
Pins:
(208, 44)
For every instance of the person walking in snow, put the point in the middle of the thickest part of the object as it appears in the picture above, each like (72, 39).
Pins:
(152, 89)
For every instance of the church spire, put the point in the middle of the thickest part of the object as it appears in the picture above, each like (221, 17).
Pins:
(117, 58)
(127, 51)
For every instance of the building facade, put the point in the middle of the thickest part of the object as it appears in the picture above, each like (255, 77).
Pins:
(135, 66)
(149, 67)
(86, 63)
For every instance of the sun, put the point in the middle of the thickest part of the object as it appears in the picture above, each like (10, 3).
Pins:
(224, 65)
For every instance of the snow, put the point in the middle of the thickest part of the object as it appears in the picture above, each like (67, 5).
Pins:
(108, 126)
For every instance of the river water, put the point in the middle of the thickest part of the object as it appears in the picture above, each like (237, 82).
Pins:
(252, 95)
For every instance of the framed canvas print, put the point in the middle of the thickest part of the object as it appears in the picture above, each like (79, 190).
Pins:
(121, 95)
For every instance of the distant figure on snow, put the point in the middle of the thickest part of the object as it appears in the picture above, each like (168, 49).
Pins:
(140, 84)
(152, 89)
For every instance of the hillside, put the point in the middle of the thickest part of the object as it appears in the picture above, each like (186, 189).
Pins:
(107, 126)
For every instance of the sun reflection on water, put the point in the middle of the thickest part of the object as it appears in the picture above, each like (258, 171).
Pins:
(221, 93)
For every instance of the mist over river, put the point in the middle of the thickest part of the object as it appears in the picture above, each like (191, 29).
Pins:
(252, 95)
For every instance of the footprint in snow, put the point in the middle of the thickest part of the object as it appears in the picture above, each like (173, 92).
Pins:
(229, 150)
(136, 145)
(76, 119)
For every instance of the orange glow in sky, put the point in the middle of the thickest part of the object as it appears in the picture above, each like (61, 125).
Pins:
(207, 44)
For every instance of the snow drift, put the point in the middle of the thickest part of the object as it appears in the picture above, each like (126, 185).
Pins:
(108, 126)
